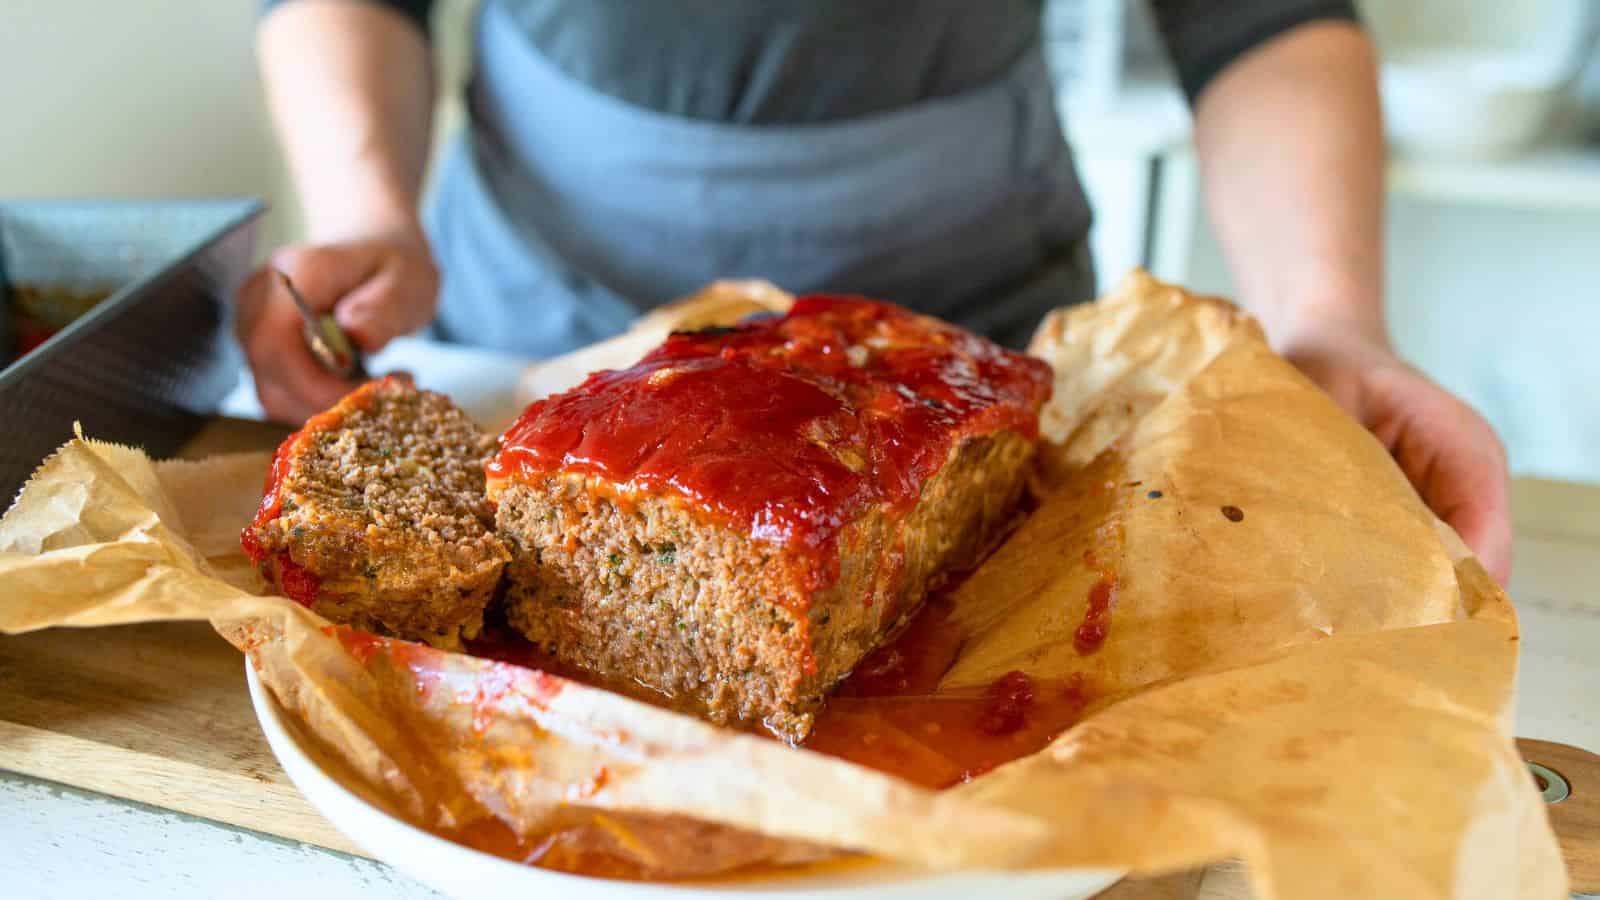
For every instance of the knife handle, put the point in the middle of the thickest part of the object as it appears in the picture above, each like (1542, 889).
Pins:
(1570, 780)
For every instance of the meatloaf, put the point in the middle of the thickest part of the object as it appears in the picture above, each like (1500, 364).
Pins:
(374, 515)
(740, 517)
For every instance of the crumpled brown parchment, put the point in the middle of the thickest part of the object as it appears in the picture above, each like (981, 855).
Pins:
(1319, 683)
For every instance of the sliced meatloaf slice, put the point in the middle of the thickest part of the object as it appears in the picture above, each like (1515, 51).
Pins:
(375, 516)
(740, 517)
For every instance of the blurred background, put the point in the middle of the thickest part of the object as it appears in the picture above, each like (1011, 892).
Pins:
(1493, 110)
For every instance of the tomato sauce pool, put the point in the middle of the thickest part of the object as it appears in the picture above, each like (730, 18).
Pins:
(891, 716)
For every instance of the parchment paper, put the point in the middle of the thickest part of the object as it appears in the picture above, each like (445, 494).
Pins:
(1320, 685)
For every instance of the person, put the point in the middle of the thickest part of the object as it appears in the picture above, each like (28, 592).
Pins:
(621, 154)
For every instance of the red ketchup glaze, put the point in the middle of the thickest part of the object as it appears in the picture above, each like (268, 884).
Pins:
(298, 582)
(789, 427)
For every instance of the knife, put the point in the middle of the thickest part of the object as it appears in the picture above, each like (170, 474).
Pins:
(325, 339)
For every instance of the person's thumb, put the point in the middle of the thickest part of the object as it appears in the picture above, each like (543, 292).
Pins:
(1469, 488)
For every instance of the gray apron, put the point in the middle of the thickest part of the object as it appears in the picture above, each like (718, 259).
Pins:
(562, 212)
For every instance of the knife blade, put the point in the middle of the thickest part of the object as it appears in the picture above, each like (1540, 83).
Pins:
(325, 339)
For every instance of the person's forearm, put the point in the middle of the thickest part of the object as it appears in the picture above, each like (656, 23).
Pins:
(1291, 152)
(350, 87)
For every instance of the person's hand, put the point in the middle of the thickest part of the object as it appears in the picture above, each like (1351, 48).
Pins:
(378, 288)
(1447, 450)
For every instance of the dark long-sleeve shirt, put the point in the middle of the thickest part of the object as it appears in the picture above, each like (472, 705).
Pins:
(796, 61)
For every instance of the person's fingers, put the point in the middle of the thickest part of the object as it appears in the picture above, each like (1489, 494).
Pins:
(1485, 525)
(1456, 463)
(1486, 528)
(289, 381)
(279, 404)
(249, 303)
(1448, 451)
(325, 274)
(377, 290)
(397, 299)
(1480, 515)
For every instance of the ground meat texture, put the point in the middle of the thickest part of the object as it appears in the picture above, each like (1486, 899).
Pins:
(375, 516)
(737, 520)
(642, 588)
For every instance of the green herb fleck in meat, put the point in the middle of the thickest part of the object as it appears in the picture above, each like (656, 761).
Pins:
(616, 560)
(667, 555)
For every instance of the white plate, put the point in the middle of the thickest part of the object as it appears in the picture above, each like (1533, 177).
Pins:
(467, 873)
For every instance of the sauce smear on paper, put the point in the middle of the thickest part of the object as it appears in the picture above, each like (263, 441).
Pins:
(1097, 614)
(889, 716)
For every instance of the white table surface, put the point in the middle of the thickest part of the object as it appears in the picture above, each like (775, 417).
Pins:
(58, 842)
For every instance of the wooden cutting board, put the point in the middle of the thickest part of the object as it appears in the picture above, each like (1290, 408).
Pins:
(154, 713)
(160, 714)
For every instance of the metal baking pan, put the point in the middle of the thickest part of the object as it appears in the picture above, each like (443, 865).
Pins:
(149, 363)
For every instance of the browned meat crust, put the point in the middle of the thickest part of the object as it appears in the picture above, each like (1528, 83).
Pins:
(737, 519)
(644, 588)
(375, 516)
